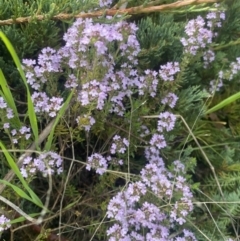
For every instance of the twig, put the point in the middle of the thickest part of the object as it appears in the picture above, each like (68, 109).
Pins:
(110, 12)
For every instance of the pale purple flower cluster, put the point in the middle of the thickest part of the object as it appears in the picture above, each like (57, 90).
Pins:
(234, 69)
(119, 145)
(85, 122)
(4, 223)
(46, 163)
(23, 132)
(85, 51)
(168, 71)
(84, 34)
(187, 236)
(71, 82)
(106, 83)
(215, 19)
(105, 3)
(114, 161)
(93, 93)
(201, 33)
(44, 104)
(144, 131)
(170, 99)
(7, 114)
(136, 220)
(215, 85)
(97, 162)
(3, 104)
(6, 111)
(229, 74)
(208, 57)
(148, 83)
(49, 63)
(158, 141)
(89, 62)
(100, 163)
(166, 121)
(198, 36)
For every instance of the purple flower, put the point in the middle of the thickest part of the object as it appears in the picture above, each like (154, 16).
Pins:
(166, 121)
(148, 83)
(24, 130)
(188, 234)
(13, 132)
(153, 156)
(4, 223)
(208, 57)
(93, 93)
(215, 19)
(119, 145)
(178, 166)
(117, 208)
(85, 122)
(6, 125)
(43, 104)
(46, 163)
(144, 131)
(29, 62)
(49, 60)
(3, 104)
(9, 113)
(168, 71)
(101, 47)
(118, 233)
(158, 141)
(149, 214)
(170, 99)
(158, 233)
(54, 105)
(136, 237)
(215, 85)
(97, 162)
(134, 191)
(71, 82)
(198, 36)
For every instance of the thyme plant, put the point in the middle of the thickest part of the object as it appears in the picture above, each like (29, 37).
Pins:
(131, 137)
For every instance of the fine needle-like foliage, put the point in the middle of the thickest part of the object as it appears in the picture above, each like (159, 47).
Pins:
(119, 120)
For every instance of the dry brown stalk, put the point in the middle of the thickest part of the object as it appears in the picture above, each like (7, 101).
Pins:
(111, 12)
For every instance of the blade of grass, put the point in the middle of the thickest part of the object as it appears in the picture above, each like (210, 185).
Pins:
(59, 115)
(21, 219)
(223, 103)
(16, 170)
(7, 95)
(18, 190)
(31, 113)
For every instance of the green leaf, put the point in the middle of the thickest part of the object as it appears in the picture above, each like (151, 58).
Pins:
(21, 219)
(18, 190)
(31, 112)
(7, 95)
(15, 169)
(223, 103)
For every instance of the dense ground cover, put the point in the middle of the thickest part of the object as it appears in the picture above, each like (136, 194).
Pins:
(119, 124)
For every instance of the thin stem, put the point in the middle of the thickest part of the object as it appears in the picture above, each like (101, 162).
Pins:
(111, 12)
